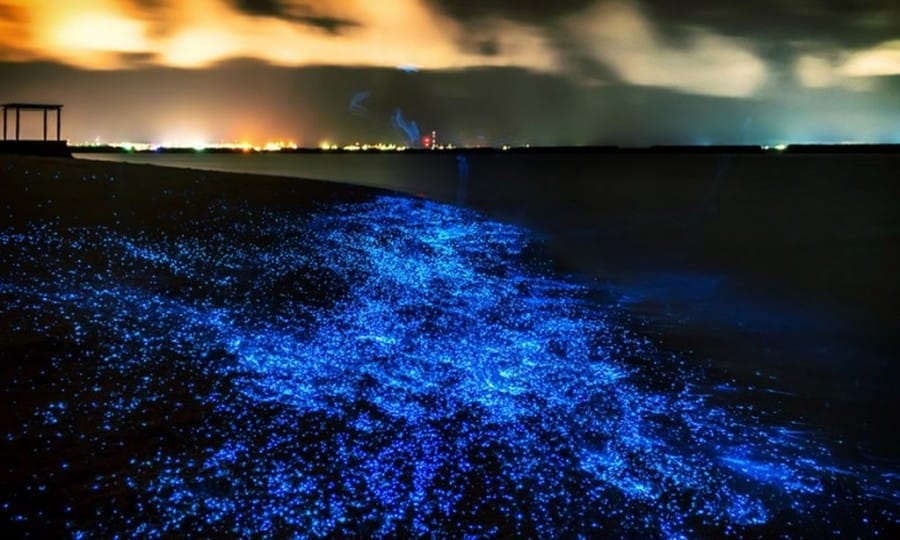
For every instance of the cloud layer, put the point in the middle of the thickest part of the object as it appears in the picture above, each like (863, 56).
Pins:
(96, 34)
(618, 35)
(694, 49)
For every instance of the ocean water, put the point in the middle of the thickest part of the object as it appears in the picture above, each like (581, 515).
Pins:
(532, 346)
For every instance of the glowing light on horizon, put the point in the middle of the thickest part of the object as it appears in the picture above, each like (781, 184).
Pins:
(198, 144)
(276, 146)
(780, 147)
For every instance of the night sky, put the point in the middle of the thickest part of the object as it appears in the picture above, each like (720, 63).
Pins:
(486, 72)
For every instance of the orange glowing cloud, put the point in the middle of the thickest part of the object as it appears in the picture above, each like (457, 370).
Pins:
(89, 33)
(14, 32)
(104, 34)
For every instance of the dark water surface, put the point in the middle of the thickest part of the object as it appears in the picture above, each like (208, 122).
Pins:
(686, 345)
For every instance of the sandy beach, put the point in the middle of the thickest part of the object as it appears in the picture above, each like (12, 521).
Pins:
(198, 352)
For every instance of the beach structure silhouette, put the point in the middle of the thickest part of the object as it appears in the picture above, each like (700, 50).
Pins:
(13, 143)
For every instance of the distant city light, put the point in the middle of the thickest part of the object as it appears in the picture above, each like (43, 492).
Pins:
(429, 142)
(199, 146)
(777, 147)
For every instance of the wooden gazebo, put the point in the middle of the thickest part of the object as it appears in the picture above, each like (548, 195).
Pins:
(18, 107)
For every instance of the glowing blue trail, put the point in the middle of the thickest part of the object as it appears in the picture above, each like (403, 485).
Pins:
(357, 105)
(409, 129)
(394, 368)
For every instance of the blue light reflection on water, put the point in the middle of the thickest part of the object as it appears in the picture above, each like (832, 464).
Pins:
(399, 367)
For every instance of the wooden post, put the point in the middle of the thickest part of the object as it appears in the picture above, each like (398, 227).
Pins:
(17, 123)
(45, 124)
(58, 124)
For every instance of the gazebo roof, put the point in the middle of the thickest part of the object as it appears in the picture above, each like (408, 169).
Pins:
(36, 106)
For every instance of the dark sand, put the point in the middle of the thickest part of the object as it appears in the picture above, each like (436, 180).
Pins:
(137, 197)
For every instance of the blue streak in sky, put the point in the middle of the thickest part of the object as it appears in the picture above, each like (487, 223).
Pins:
(357, 106)
(409, 129)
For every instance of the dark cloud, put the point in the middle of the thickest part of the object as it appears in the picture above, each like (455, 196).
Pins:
(137, 59)
(776, 28)
(774, 23)
(260, 7)
(784, 18)
(489, 47)
(300, 14)
(537, 12)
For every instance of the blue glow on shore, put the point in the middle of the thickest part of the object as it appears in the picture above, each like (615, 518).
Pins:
(395, 368)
